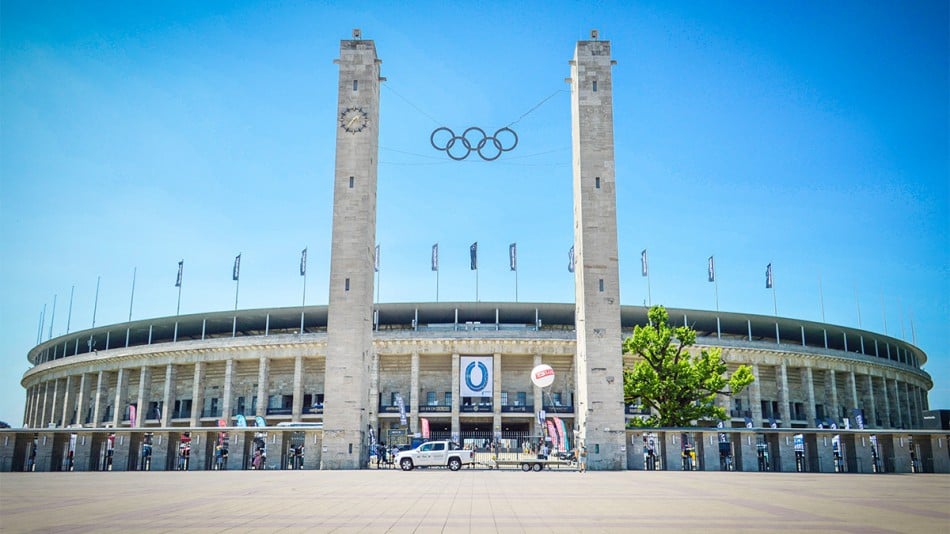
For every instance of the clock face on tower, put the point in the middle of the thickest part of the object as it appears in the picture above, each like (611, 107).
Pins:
(353, 119)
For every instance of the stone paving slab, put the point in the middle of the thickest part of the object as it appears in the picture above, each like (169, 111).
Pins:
(436, 500)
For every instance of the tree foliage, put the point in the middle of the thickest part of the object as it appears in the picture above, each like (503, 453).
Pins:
(679, 386)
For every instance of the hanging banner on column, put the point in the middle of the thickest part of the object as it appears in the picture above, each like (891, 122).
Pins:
(425, 427)
(476, 376)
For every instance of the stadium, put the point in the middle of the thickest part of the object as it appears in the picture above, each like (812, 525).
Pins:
(355, 373)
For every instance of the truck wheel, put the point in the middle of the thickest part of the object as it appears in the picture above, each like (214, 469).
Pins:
(455, 464)
(406, 464)
(538, 467)
(526, 467)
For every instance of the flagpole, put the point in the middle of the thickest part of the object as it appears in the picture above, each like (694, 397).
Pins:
(303, 299)
(821, 299)
(774, 301)
(132, 297)
(857, 305)
(884, 312)
(180, 283)
(52, 317)
(69, 315)
(39, 330)
(95, 306)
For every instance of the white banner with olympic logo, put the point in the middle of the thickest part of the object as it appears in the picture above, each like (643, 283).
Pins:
(476, 376)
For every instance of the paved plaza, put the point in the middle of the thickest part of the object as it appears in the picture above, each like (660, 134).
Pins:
(436, 500)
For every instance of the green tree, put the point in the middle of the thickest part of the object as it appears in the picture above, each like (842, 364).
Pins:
(680, 386)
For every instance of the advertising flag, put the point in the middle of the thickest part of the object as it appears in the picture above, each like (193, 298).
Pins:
(435, 257)
(570, 260)
(132, 415)
(552, 433)
(513, 256)
(858, 418)
(181, 265)
(562, 431)
(644, 268)
(425, 427)
(401, 403)
(303, 262)
(711, 269)
(473, 251)
(376, 260)
(236, 275)
(768, 276)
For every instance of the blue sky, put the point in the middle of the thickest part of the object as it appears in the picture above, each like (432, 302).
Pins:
(811, 135)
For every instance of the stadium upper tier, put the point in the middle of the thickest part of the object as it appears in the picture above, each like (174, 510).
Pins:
(491, 320)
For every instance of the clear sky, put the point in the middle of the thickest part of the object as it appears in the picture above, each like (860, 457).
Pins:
(812, 135)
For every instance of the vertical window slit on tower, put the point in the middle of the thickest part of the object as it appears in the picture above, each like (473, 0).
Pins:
(597, 182)
(601, 284)
(351, 182)
(356, 84)
(347, 284)
(595, 86)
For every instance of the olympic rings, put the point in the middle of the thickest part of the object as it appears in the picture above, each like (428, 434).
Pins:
(489, 148)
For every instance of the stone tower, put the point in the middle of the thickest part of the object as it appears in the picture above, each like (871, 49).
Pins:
(348, 408)
(600, 408)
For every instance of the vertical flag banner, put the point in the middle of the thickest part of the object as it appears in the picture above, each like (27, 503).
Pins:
(768, 276)
(552, 433)
(513, 256)
(711, 269)
(303, 262)
(181, 265)
(473, 251)
(425, 427)
(376, 260)
(644, 267)
(435, 257)
(570, 260)
(475, 378)
(132, 415)
(236, 275)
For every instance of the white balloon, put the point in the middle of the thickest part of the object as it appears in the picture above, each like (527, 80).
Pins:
(542, 375)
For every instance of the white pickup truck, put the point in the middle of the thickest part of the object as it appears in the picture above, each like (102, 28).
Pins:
(435, 453)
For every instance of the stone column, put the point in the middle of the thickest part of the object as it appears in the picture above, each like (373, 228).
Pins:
(263, 376)
(885, 403)
(456, 426)
(414, 392)
(99, 399)
(228, 391)
(82, 399)
(372, 406)
(872, 410)
(27, 406)
(197, 394)
(853, 386)
(54, 415)
(783, 408)
(808, 379)
(908, 409)
(145, 392)
(121, 384)
(833, 384)
(45, 404)
(297, 411)
(69, 399)
(897, 405)
(755, 391)
(496, 394)
(169, 394)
